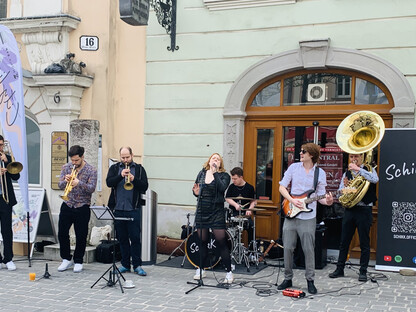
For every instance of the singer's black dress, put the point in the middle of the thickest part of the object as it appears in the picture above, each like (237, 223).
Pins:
(210, 211)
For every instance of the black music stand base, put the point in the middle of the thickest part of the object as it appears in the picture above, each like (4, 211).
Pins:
(200, 283)
(104, 213)
(113, 278)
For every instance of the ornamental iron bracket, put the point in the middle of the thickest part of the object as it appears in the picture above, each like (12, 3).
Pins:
(166, 16)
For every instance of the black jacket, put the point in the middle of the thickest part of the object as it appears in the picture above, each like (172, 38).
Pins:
(140, 184)
(9, 177)
(222, 181)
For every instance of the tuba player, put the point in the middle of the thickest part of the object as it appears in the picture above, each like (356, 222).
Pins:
(357, 217)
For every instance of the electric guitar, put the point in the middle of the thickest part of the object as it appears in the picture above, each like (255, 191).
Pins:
(290, 211)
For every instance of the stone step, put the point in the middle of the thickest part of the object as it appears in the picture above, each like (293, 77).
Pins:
(52, 252)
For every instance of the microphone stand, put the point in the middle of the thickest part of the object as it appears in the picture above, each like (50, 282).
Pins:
(200, 282)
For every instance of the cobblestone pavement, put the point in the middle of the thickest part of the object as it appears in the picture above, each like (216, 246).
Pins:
(164, 290)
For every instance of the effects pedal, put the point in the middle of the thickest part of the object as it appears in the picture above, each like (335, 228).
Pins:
(293, 293)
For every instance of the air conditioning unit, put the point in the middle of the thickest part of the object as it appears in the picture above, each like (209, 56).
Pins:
(316, 92)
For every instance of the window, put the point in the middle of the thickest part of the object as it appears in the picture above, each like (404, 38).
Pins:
(3, 8)
(326, 87)
(33, 151)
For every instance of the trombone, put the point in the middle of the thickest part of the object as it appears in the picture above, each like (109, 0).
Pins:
(127, 183)
(68, 187)
(4, 189)
(14, 167)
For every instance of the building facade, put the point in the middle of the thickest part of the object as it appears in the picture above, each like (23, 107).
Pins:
(104, 103)
(252, 80)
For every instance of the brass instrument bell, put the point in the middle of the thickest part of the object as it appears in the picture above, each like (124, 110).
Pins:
(359, 133)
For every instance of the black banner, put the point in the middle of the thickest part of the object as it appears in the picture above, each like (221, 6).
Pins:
(396, 228)
(134, 12)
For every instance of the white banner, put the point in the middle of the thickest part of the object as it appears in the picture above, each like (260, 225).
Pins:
(12, 108)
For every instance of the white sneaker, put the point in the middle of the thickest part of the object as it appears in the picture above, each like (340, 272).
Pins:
(11, 266)
(65, 265)
(229, 278)
(197, 275)
(77, 267)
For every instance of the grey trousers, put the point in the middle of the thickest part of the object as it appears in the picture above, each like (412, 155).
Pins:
(306, 231)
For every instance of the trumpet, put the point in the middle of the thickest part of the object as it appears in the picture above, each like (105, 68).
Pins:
(127, 183)
(68, 187)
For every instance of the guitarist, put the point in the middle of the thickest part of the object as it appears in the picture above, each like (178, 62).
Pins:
(357, 217)
(301, 176)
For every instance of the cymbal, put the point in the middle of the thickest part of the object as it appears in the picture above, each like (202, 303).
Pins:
(240, 198)
(254, 209)
(266, 206)
(240, 217)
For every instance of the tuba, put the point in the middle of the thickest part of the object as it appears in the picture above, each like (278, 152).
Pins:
(359, 133)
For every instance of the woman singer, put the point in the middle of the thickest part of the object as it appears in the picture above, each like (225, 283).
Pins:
(210, 185)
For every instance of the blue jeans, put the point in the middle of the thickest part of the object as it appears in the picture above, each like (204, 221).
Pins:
(129, 235)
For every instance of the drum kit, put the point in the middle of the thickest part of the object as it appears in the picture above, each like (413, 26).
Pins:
(240, 254)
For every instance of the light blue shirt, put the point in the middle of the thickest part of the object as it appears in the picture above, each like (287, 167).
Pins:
(302, 182)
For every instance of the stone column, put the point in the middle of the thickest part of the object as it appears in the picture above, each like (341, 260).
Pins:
(86, 133)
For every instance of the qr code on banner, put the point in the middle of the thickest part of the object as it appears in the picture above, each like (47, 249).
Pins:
(403, 217)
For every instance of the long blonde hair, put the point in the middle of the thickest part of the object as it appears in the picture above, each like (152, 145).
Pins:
(220, 169)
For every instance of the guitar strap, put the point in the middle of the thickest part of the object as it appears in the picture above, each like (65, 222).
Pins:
(315, 178)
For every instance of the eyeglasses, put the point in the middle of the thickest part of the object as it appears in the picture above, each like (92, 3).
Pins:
(302, 151)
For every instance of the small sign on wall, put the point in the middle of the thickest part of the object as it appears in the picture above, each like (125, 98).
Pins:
(59, 156)
(88, 43)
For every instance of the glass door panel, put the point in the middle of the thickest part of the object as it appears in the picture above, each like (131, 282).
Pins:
(264, 163)
(293, 138)
(332, 158)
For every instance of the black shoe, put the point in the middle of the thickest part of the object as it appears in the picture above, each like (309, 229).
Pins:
(311, 288)
(337, 273)
(362, 277)
(285, 284)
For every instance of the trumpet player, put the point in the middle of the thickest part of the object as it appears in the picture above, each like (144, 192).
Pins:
(128, 181)
(357, 217)
(7, 201)
(79, 179)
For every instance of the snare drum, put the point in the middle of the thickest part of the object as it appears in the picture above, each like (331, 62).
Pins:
(192, 249)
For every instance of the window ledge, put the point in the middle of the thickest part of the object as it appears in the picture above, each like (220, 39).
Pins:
(238, 4)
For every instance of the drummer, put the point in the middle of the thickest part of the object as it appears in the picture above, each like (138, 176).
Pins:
(241, 188)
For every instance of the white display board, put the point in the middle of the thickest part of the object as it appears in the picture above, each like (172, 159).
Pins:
(19, 215)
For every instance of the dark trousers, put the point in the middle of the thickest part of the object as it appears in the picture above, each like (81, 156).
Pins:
(129, 235)
(360, 218)
(6, 230)
(79, 217)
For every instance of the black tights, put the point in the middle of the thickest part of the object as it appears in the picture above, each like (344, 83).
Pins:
(221, 247)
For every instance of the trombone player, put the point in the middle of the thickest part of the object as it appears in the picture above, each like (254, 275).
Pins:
(7, 201)
(128, 181)
(79, 179)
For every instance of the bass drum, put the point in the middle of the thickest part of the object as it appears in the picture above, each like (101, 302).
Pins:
(192, 249)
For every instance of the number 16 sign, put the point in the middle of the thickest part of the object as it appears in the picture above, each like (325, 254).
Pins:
(88, 43)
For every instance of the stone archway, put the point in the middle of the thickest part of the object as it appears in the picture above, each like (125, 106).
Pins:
(316, 54)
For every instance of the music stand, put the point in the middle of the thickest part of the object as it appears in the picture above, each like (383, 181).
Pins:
(104, 213)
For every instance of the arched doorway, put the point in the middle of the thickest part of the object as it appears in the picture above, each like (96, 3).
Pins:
(268, 111)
